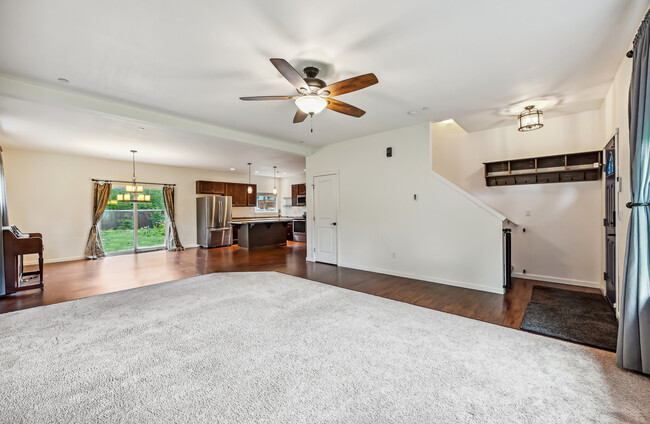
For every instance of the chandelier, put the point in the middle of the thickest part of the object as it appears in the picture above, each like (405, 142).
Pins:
(134, 192)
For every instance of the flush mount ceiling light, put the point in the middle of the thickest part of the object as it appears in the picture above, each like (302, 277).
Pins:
(311, 104)
(530, 119)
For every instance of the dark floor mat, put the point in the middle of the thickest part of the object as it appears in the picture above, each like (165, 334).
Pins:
(584, 318)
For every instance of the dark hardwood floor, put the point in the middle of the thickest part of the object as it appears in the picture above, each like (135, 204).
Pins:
(76, 279)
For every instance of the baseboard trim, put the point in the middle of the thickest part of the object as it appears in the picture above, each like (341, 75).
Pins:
(568, 281)
(54, 260)
(497, 290)
(76, 258)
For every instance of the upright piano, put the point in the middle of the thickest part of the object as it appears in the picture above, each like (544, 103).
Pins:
(17, 244)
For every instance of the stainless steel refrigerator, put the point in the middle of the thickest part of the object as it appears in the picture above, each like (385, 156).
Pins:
(213, 216)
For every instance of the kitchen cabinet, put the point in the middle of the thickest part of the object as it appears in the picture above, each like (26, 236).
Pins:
(298, 194)
(238, 192)
(290, 231)
(251, 198)
(210, 187)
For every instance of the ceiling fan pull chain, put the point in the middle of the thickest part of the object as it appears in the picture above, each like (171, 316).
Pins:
(311, 122)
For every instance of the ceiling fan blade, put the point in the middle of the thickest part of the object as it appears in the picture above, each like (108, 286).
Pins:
(299, 116)
(341, 107)
(267, 98)
(291, 75)
(350, 84)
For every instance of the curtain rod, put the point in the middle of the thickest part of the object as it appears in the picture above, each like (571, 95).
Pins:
(131, 182)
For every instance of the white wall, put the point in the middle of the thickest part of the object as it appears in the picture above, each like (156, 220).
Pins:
(562, 241)
(614, 114)
(285, 187)
(52, 194)
(443, 237)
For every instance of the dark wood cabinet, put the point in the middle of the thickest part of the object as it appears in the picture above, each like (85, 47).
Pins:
(290, 231)
(235, 234)
(251, 197)
(584, 166)
(294, 194)
(238, 192)
(298, 195)
(210, 187)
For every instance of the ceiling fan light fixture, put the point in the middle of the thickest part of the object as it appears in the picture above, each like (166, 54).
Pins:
(530, 119)
(311, 104)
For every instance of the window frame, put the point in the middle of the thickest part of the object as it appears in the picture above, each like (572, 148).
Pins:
(265, 196)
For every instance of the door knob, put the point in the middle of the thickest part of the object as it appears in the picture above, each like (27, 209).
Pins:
(333, 223)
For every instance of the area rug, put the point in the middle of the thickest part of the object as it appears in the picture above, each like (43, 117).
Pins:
(267, 347)
(579, 317)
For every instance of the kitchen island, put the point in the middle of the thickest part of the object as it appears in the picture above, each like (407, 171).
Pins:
(254, 233)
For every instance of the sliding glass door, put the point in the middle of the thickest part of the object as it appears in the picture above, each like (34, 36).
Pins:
(121, 219)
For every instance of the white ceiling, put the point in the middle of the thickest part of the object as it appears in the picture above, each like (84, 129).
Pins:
(466, 60)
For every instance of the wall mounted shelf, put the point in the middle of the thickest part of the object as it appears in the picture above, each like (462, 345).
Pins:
(571, 167)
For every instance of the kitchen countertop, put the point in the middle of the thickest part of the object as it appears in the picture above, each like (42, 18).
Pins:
(260, 220)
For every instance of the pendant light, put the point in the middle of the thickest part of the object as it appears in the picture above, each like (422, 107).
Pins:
(530, 119)
(134, 192)
(250, 187)
(275, 190)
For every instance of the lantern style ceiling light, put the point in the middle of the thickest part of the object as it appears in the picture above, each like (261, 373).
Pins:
(275, 189)
(530, 119)
(134, 192)
(250, 187)
(311, 104)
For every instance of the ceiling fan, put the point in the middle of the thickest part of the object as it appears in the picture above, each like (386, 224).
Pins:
(314, 95)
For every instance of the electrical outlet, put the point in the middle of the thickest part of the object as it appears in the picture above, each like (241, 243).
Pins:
(527, 212)
(394, 255)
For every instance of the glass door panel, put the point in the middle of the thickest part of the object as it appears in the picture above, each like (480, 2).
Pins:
(151, 220)
(117, 224)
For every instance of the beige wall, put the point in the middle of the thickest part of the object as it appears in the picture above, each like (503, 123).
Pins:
(563, 222)
(52, 194)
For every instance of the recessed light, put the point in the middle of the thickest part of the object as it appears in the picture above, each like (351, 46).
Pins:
(232, 169)
(63, 80)
(141, 129)
(284, 173)
(257, 172)
(412, 112)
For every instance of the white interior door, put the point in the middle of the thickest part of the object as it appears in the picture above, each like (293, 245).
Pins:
(326, 197)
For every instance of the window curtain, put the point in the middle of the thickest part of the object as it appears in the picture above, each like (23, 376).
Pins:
(4, 219)
(101, 194)
(633, 350)
(172, 242)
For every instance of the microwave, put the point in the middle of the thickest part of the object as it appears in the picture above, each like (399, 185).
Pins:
(301, 200)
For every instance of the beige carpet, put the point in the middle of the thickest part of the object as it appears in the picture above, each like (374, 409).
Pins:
(266, 347)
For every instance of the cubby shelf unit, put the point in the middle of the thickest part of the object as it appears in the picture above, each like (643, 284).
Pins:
(566, 168)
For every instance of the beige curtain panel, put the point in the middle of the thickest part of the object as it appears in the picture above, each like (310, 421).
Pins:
(172, 242)
(101, 194)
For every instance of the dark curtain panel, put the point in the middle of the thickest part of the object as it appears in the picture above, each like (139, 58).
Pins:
(101, 194)
(633, 351)
(4, 219)
(172, 242)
